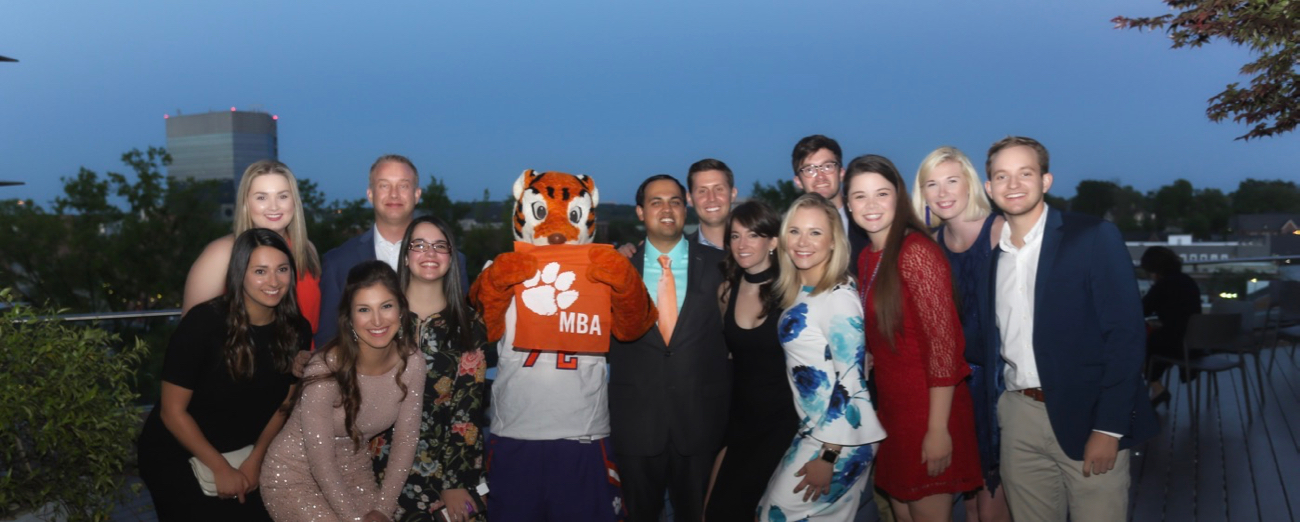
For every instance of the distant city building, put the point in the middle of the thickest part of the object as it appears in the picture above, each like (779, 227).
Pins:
(1210, 256)
(219, 146)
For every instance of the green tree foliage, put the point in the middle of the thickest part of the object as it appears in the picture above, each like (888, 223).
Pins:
(329, 225)
(67, 416)
(1108, 199)
(92, 255)
(779, 194)
(1254, 196)
(1269, 28)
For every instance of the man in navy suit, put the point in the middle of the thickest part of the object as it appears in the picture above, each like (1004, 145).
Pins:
(668, 390)
(1065, 321)
(393, 190)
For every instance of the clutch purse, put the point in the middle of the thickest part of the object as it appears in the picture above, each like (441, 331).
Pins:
(207, 480)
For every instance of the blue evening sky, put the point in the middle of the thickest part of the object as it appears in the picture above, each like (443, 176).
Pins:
(476, 91)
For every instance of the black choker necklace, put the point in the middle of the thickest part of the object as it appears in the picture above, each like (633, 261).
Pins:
(761, 277)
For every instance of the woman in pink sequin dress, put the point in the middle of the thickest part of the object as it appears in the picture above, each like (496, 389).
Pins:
(361, 383)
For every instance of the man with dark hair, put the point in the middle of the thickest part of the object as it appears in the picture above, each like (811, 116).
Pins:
(712, 190)
(1064, 325)
(668, 390)
(819, 167)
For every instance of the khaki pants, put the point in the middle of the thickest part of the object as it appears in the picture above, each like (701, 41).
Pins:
(1043, 484)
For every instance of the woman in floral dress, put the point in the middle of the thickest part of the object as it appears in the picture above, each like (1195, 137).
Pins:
(449, 456)
(821, 476)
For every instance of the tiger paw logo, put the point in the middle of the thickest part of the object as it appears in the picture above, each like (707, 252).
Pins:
(550, 291)
(553, 294)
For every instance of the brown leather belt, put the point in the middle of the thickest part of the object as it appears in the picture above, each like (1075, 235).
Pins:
(1032, 393)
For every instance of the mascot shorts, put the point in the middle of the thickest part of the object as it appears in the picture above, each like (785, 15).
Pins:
(553, 480)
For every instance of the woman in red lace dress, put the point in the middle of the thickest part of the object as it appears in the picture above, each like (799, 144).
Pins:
(915, 338)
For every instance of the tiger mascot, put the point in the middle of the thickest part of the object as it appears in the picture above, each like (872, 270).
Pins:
(549, 456)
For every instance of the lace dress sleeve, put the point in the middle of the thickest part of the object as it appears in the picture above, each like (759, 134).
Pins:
(406, 432)
(927, 282)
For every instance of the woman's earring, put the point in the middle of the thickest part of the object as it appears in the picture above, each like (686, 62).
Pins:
(354, 335)
(927, 215)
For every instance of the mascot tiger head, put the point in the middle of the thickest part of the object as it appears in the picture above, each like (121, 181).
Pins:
(553, 208)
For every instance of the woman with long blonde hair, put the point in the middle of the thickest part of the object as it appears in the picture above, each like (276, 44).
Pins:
(822, 474)
(949, 193)
(267, 198)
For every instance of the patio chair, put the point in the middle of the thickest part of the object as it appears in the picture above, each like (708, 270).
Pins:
(1208, 347)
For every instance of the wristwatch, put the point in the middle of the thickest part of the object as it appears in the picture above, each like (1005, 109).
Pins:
(830, 455)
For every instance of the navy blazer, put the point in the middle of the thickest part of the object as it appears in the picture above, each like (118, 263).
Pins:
(1089, 334)
(676, 392)
(334, 276)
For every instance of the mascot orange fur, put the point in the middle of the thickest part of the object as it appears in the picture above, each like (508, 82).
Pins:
(549, 453)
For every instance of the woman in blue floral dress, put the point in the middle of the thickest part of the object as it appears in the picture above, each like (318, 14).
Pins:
(821, 476)
(449, 456)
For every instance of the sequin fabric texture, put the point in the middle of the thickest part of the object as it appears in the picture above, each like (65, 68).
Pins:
(312, 471)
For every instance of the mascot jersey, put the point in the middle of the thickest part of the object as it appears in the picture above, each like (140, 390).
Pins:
(548, 395)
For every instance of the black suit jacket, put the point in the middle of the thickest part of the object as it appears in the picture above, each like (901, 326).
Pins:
(680, 392)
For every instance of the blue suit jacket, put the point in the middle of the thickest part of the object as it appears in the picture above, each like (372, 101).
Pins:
(1089, 335)
(334, 276)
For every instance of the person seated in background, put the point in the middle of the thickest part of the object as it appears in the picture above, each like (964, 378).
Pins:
(1173, 298)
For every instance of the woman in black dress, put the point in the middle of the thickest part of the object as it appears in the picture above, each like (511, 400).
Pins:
(227, 371)
(762, 419)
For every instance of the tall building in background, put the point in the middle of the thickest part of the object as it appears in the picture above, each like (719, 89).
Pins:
(219, 146)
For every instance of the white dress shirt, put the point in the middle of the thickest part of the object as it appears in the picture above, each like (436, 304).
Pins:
(386, 251)
(1017, 273)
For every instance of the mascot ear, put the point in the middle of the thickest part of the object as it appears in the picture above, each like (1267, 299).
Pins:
(591, 187)
(522, 182)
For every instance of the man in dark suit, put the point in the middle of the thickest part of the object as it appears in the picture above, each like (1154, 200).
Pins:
(1064, 319)
(819, 167)
(393, 190)
(668, 390)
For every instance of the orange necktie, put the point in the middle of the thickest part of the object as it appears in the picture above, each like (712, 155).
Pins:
(667, 299)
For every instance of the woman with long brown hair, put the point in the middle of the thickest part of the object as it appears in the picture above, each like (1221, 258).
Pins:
(762, 420)
(916, 342)
(226, 374)
(317, 467)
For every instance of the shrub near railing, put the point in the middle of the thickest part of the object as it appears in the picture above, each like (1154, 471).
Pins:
(67, 415)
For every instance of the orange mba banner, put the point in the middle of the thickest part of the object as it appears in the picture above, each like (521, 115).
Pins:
(558, 309)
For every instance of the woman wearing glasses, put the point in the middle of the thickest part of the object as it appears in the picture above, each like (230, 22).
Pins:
(449, 456)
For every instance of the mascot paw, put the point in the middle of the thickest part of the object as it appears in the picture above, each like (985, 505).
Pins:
(511, 268)
(608, 267)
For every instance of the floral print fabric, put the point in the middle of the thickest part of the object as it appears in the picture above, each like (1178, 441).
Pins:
(449, 454)
(825, 355)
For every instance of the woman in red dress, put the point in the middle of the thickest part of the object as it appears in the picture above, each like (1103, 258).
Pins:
(915, 338)
(267, 198)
